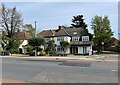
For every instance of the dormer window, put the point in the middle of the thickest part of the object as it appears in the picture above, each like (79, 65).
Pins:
(75, 33)
(85, 38)
(75, 38)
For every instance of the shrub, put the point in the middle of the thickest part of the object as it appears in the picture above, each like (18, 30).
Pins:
(52, 53)
(1, 49)
(42, 53)
(14, 51)
(99, 53)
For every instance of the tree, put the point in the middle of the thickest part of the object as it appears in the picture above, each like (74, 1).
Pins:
(29, 29)
(51, 47)
(102, 30)
(36, 42)
(11, 21)
(64, 45)
(78, 21)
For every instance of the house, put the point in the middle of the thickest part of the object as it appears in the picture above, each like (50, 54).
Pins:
(114, 42)
(47, 34)
(80, 40)
(23, 37)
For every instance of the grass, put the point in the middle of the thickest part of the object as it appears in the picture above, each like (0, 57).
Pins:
(99, 53)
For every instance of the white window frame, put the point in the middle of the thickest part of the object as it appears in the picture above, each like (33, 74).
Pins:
(75, 38)
(85, 38)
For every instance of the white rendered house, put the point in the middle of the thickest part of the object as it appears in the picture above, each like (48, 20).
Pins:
(23, 37)
(80, 40)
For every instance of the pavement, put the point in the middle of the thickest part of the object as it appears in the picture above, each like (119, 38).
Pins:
(106, 57)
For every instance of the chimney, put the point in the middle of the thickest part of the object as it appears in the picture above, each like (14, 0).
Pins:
(59, 27)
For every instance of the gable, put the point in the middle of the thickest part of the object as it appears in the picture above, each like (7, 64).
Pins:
(62, 32)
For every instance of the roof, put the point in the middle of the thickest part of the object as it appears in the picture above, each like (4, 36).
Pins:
(21, 36)
(46, 33)
(63, 32)
(113, 41)
(71, 32)
(76, 31)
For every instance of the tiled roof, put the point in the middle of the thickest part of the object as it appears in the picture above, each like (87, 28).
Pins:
(76, 31)
(71, 32)
(63, 32)
(21, 36)
(46, 33)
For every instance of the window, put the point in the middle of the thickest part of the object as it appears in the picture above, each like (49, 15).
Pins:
(75, 33)
(59, 48)
(85, 38)
(60, 38)
(75, 38)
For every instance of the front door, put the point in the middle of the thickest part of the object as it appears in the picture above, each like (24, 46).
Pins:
(85, 50)
(74, 50)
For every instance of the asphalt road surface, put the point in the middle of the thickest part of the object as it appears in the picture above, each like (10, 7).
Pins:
(71, 71)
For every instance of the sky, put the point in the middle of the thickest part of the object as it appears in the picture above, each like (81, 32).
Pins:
(49, 15)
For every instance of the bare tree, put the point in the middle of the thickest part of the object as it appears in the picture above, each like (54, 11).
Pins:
(11, 22)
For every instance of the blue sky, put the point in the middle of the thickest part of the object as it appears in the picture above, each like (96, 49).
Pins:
(50, 15)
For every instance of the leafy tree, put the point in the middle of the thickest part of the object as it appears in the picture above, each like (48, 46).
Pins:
(64, 45)
(78, 21)
(51, 47)
(29, 29)
(11, 21)
(102, 30)
(36, 42)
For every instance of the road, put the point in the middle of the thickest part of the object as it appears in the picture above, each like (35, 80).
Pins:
(70, 71)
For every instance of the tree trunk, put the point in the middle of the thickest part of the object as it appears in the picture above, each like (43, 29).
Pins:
(99, 47)
(35, 51)
(65, 51)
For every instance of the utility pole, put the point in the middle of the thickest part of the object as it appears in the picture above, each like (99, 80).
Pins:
(35, 29)
(35, 37)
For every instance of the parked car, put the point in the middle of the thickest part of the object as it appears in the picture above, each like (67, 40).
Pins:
(32, 53)
(5, 53)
